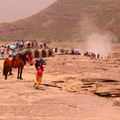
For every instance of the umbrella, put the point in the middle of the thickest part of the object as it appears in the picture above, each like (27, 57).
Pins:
(12, 47)
(76, 50)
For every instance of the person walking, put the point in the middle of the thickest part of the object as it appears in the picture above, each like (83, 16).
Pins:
(39, 75)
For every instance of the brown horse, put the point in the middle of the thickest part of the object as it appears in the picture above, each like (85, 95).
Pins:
(19, 62)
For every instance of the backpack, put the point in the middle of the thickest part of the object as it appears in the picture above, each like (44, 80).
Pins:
(39, 72)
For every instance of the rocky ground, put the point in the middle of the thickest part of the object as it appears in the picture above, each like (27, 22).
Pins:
(73, 87)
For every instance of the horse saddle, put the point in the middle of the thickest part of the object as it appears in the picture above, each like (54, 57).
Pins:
(12, 58)
(13, 62)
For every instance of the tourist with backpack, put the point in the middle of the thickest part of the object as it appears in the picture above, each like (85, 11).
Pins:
(39, 73)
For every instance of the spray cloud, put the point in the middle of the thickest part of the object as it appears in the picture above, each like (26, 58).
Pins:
(96, 41)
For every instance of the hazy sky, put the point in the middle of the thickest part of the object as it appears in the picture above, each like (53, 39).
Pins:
(12, 10)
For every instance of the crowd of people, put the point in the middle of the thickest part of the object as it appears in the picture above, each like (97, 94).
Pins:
(20, 45)
(30, 44)
(66, 51)
(86, 53)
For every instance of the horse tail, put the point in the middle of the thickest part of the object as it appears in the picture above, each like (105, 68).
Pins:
(4, 70)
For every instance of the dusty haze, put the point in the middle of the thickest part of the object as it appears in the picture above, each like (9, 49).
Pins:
(12, 10)
(96, 41)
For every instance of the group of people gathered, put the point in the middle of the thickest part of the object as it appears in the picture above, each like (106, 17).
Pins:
(86, 53)
(93, 55)
(6, 49)
(31, 44)
(66, 51)
(20, 45)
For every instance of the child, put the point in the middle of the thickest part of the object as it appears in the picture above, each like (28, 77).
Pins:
(39, 75)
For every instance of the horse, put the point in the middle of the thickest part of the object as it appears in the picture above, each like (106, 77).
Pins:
(18, 61)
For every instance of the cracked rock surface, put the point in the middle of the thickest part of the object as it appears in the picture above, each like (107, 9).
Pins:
(73, 87)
